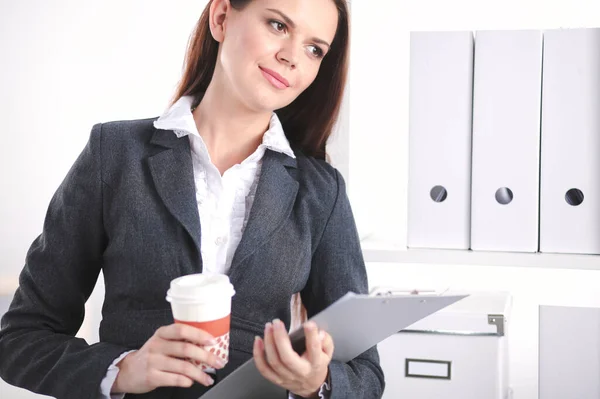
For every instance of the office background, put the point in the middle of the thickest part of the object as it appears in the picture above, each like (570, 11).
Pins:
(68, 64)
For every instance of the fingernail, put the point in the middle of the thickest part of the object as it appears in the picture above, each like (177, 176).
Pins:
(322, 335)
(268, 326)
(211, 341)
(220, 363)
(310, 325)
(210, 381)
(277, 323)
(258, 342)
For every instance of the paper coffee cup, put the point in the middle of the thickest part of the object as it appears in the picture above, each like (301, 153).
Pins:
(204, 301)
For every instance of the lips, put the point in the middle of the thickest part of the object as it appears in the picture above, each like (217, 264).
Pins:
(276, 79)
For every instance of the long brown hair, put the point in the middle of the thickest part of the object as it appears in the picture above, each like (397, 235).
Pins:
(309, 120)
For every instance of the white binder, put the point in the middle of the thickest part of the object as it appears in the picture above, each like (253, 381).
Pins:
(355, 322)
(506, 140)
(440, 120)
(570, 175)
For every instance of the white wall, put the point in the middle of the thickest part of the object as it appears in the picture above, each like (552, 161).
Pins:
(69, 64)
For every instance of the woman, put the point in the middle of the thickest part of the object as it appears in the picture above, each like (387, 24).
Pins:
(218, 184)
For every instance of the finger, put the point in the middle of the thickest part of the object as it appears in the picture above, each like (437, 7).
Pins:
(184, 368)
(313, 342)
(183, 332)
(165, 379)
(185, 350)
(273, 356)
(260, 361)
(288, 357)
(327, 344)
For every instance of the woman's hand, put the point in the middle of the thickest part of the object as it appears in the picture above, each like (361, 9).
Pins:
(161, 361)
(280, 364)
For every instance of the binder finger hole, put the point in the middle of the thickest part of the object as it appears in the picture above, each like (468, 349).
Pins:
(504, 195)
(438, 194)
(574, 197)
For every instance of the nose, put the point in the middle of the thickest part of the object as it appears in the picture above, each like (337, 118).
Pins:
(288, 55)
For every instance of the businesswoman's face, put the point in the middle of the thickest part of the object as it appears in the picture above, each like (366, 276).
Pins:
(271, 50)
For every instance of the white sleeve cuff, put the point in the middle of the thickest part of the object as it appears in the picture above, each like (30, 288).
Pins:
(109, 380)
(325, 391)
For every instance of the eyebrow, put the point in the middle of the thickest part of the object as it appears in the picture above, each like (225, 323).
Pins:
(291, 23)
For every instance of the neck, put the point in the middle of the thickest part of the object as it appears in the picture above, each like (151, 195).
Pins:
(230, 130)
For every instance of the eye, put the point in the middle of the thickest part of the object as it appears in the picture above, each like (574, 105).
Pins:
(315, 51)
(278, 25)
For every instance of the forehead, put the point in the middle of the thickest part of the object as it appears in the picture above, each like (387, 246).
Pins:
(317, 18)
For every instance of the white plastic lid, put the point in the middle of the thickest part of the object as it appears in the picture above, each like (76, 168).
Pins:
(200, 288)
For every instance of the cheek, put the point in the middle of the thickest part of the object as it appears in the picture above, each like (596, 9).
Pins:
(308, 77)
(238, 50)
(254, 46)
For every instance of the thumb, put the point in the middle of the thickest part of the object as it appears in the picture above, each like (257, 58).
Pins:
(327, 343)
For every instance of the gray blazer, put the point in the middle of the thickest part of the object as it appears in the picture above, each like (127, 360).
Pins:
(127, 207)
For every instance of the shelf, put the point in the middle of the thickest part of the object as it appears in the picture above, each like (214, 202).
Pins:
(374, 251)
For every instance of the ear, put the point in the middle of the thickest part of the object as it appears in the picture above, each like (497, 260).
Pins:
(219, 9)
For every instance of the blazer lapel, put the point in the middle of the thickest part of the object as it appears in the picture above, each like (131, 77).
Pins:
(275, 196)
(173, 175)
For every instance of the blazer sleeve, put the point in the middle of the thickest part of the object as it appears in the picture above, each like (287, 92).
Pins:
(338, 267)
(38, 348)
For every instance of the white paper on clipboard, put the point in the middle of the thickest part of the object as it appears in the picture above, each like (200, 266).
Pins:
(356, 322)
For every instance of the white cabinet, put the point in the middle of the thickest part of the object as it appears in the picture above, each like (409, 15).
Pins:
(569, 352)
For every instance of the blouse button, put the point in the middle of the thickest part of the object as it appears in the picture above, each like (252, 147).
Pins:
(220, 240)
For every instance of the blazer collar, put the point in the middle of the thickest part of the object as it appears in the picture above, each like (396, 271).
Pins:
(172, 172)
(275, 197)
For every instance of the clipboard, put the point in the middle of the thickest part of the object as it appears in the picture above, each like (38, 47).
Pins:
(356, 322)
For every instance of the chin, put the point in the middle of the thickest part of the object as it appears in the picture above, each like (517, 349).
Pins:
(268, 101)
